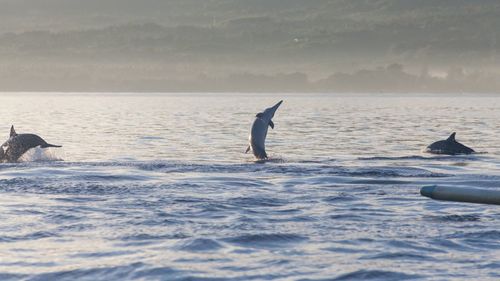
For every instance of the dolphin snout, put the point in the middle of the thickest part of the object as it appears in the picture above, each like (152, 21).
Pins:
(269, 112)
(275, 107)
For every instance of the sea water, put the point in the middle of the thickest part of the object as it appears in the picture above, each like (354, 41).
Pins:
(157, 187)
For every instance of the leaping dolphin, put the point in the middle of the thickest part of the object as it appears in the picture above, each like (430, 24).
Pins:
(449, 147)
(258, 133)
(18, 144)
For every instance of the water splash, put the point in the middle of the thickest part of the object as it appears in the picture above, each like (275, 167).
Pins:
(38, 154)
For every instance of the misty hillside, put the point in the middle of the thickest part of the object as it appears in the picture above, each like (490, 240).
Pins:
(153, 42)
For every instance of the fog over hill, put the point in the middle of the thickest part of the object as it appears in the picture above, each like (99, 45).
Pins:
(250, 45)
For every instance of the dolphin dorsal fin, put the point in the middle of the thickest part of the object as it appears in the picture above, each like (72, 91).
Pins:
(452, 137)
(12, 131)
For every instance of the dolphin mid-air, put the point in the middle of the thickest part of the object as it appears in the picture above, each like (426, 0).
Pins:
(449, 147)
(258, 133)
(18, 144)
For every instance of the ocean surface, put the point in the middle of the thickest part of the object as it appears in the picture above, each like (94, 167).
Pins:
(157, 187)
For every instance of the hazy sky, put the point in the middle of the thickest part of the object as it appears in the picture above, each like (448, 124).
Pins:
(223, 44)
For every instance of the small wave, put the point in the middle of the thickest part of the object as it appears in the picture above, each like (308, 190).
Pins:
(251, 202)
(12, 276)
(151, 237)
(110, 177)
(398, 256)
(159, 273)
(492, 265)
(342, 197)
(347, 217)
(480, 235)
(275, 240)
(479, 240)
(448, 244)
(318, 161)
(456, 218)
(230, 181)
(74, 188)
(474, 156)
(344, 250)
(32, 236)
(382, 158)
(408, 172)
(134, 171)
(103, 273)
(94, 255)
(198, 245)
(63, 217)
(379, 182)
(151, 138)
(376, 275)
(406, 245)
(18, 181)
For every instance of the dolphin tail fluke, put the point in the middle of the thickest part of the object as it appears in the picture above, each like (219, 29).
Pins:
(259, 152)
(49, 145)
(260, 155)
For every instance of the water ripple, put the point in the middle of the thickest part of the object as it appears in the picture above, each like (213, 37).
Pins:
(175, 197)
(273, 240)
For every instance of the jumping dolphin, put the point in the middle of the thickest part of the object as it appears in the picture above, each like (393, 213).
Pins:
(258, 133)
(449, 146)
(18, 144)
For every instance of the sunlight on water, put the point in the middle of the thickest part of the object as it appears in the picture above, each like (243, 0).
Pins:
(158, 187)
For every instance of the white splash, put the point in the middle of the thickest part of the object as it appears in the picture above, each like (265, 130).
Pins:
(39, 154)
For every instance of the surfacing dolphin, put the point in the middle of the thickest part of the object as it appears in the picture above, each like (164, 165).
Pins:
(449, 147)
(257, 138)
(18, 144)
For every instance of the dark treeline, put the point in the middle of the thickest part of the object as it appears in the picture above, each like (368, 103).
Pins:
(271, 45)
(390, 79)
